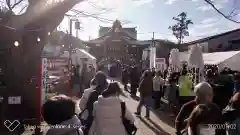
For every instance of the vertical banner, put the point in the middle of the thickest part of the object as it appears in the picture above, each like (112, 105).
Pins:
(44, 80)
(152, 57)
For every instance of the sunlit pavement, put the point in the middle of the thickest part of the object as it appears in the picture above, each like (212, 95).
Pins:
(156, 125)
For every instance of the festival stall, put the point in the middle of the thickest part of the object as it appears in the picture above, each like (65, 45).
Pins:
(195, 62)
(229, 59)
(80, 56)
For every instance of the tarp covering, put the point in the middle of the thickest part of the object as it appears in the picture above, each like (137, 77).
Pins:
(218, 57)
(229, 59)
(79, 55)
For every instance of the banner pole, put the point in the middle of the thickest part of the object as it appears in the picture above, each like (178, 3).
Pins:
(39, 97)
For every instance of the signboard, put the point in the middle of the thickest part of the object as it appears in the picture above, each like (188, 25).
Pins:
(14, 100)
(57, 66)
(44, 80)
(160, 64)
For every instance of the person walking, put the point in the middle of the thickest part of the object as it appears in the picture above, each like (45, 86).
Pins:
(125, 77)
(185, 88)
(172, 94)
(158, 83)
(107, 113)
(231, 115)
(204, 95)
(203, 119)
(134, 80)
(145, 89)
(86, 105)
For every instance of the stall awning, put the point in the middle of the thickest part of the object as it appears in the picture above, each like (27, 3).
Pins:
(218, 57)
(215, 58)
(230, 59)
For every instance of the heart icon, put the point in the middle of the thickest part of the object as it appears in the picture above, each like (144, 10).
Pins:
(11, 126)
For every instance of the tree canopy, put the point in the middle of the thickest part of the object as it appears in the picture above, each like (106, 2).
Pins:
(180, 29)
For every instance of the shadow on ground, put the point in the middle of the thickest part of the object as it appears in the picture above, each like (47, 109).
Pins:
(164, 116)
(155, 128)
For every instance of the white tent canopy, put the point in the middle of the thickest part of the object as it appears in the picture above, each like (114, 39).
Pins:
(79, 55)
(229, 59)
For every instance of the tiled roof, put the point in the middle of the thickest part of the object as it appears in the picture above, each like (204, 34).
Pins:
(211, 37)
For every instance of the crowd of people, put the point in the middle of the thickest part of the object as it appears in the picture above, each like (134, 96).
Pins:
(212, 107)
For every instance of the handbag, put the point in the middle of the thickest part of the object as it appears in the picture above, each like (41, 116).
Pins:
(130, 127)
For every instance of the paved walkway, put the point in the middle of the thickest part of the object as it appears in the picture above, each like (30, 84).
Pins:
(159, 123)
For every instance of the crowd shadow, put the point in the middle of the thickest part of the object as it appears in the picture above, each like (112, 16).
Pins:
(155, 128)
(164, 117)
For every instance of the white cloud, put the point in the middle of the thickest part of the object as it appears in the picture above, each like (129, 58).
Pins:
(142, 2)
(209, 20)
(169, 2)
(206, 27)
(219, 4)
(208, 7)
(195, 34)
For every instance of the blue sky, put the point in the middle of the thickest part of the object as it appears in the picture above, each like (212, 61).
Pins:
(156, 16)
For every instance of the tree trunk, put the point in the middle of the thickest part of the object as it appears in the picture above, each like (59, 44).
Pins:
(22, 63)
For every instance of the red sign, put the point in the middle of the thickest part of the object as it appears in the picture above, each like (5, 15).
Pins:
(57, 66)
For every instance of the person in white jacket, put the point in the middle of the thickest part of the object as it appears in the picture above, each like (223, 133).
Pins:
(59, 113)
(99, 83)
(107, 113)
(158, 83)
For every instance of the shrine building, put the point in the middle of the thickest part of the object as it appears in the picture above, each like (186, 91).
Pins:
(118, 43)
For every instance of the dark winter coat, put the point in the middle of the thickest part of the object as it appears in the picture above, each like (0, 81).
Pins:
(134, 77)
(232, 117)
(125, 76)
(146, 87)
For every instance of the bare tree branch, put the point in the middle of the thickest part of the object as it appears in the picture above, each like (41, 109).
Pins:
(22, 9)
(8, 4)
(228, 17)
(16, 3)
(11, 7)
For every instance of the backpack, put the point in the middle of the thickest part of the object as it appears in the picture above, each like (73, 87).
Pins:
(89, 107)
(130, 127)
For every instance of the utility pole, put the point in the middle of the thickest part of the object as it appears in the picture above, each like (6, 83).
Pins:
(77, 27)
(152, 52)
(70, 46)
(70, 57)
(153, 42)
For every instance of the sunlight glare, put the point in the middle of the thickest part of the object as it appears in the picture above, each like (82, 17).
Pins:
(16, 43)
(38, 39)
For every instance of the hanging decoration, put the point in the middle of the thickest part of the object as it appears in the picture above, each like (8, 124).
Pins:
(174, 62)
(195, 61)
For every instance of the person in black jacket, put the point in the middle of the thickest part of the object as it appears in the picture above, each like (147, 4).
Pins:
(134, 80)
(231, 115)
(203, 120)
(125, 78)
(204, 95)
(145, 89)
